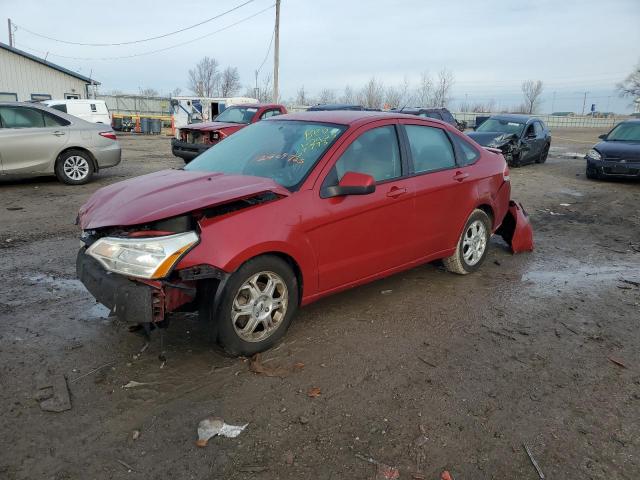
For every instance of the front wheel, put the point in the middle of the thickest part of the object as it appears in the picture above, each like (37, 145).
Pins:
(74, 167)
(472, 247)
(257, 305)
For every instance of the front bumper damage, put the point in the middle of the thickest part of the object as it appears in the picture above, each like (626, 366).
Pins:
(188, 151)
(610, 168)
(133, 301)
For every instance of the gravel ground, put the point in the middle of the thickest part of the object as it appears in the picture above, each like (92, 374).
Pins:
(423, 371)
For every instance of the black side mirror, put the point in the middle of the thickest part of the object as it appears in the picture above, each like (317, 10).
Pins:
(352, 183)
(603, 136)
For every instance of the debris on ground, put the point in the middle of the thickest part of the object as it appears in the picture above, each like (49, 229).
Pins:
(53, 394)
(446, 476)
(212, 426)
(386, 292)
(92, 371)
(257, 366)
(533, 461)
(314, 392)
(288, 457)
(134, 384)
(126, 465)
(617, 362)
(383, 471)
(630, 282)
(135, 435)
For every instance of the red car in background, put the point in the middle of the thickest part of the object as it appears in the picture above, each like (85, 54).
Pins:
(288, 211)
(198, 137)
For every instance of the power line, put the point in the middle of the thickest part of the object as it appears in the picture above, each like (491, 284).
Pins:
(136, 41)
(153, 51)
(268, 50)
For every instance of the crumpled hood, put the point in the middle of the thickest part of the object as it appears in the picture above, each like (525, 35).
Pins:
(165, 194)
(619, 150)
(210, 126)
(492, 139)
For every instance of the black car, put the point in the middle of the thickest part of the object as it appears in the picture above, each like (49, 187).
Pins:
(437, 113)
(522, 139)
(618, 154)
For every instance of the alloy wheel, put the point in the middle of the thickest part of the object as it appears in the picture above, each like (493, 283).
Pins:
(259, 306)
(76, 167)
(474, 242)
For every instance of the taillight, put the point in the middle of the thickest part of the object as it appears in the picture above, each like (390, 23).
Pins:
(109, 135)
(505, 173)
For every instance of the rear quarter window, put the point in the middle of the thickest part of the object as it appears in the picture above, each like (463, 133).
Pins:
(61, 106)
(467, 153)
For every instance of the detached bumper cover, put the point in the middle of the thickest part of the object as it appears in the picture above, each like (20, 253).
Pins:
(614, 168)
(516, 229)
(132, 302)
(187, 150)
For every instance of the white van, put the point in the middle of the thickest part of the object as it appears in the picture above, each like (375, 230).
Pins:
(94, 111)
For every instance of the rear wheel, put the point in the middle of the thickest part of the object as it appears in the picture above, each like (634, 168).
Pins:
(257, 305)
(543, 156)
(472, 247)
(74, 167)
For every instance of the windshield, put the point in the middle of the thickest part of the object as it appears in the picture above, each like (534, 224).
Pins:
(284, 151)
(237, 115)
(501, 126)
(625, 132)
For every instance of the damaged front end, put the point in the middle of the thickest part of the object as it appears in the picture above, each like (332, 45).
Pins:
(134, 269)
(510, 147)
(516, 229)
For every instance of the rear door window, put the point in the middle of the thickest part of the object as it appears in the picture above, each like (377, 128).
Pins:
(430, 148)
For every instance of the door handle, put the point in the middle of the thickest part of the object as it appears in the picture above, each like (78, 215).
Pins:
(58, 133)
(395, 192)
(460, 176)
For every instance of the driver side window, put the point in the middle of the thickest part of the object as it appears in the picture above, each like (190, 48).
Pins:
(375, 152)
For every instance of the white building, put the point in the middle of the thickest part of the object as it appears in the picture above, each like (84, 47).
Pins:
(25, 77)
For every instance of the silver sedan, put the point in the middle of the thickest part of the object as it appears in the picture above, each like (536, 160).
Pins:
(37, 140)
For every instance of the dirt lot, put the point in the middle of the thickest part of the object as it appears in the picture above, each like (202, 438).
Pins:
(425, 371)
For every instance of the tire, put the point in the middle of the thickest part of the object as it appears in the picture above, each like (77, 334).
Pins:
(247, 290)
(543, 156)
(471, 253)
(74, 167)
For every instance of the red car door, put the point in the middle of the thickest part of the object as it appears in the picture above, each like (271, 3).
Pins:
(444, 189)
(359, 236)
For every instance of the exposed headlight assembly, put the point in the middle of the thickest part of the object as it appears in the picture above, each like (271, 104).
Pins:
(151, 258)
(594, 154)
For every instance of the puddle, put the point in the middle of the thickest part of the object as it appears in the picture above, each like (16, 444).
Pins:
(580, 276)
(573, 193)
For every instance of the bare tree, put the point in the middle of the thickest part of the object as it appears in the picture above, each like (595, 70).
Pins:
(229, 82)
(372, 94)
(176, 91)
(424, 93)
(148, 92)
(301, 97)
(265, 90)
(327, 96)
(442, 91)
(204, 79)
(531, 89)
(399, 96)
(348, 96)
(630, 87)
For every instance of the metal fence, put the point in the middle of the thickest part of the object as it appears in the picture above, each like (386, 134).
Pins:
(137, 105)
(555, 121)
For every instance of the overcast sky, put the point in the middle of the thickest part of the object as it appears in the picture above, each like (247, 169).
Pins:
(491, 46)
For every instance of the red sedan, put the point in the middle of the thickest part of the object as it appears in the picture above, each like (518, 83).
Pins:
(287, 211)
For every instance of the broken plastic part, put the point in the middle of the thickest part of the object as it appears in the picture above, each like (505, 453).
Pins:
(516, 229)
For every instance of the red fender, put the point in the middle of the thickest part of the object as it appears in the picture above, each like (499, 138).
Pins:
(516, 229)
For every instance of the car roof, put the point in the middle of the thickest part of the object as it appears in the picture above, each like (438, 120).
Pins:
(70, 118)
(347, 117)
(335, 106)
(631, 120)
(255, 105)
(513, 117)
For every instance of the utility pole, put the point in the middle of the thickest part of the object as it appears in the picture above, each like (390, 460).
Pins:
(256, 90)
(276, 53)
(553, 103)
(10, 32)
